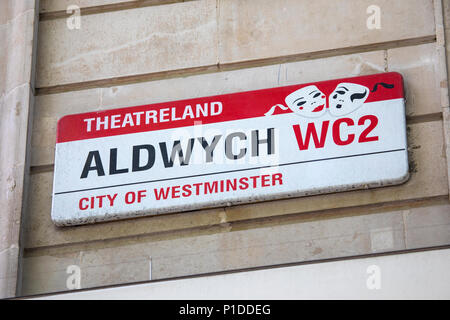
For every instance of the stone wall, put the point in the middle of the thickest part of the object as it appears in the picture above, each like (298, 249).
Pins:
(17, 33)
(128, 53)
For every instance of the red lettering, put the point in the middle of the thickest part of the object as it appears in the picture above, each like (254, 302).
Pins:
(373, 123)
(255, 181)
(337, 132)
(111, 199)
(243, 183)
(162, 194)
(231, 185)
(197, 188)
(211, 187)
(130, 198)
(100, 201)
(176, 191)
(141, 195)
(96, 202)
(265, 181)
(80, 204)
(278, 177)
(187, 190)
(311, 131)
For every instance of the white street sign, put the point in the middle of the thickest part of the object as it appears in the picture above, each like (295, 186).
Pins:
(225, 150)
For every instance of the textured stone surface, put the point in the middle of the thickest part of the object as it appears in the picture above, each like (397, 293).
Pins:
(296, 240)
(8, 271)
(17, 21)
(427, 227)
(446, 107)
(419, 66)
(15, 52)
(428, 179)
(264, 28)
(446, 14)
(128, 42)
(49, 271)
(15, 107)
(11, 9)
(13, 127)
(414, 275)
(247, 30)
(49, 109)
(344, 66)
(58, 5)
(52, 6)
(446, 120)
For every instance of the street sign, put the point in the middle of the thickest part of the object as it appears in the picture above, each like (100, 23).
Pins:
(230, 149)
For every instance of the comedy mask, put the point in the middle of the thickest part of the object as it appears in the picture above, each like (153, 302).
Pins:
(307, 102)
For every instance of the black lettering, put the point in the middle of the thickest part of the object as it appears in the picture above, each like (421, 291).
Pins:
(176, 150)
(229, 146)
(93, 155)
(137, 157)
(113, 163)
(209, 148)
(269, 141)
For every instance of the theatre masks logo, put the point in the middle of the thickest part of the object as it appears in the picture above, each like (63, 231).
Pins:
(311, 102)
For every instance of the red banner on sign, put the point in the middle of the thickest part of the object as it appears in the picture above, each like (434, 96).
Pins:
(310, 100)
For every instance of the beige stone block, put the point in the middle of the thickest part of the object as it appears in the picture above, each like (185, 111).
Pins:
(428, 179)
(447, 50)
(9, 259)
(243, 80)
(3, 59)
(14, 108)
(419, 66)
(59, 5)
(358, 232)
(427, 227)
(128, 42)
(114, 274)
(55, 272)
(13, 137)
(446, 12)
(48, 110)
(446, 110)
(16, 51)
(290, 243)
(344, 66)
(11, 9)
(259, 29)
(190, 87)
(446, 119)
(51, 6)
(49, 273)
(113, 263)
(112, 266)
